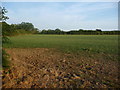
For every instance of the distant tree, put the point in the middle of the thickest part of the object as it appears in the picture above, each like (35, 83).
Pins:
(98, 30)
(58, 31)
(80, 32)
(35, 31)
(27, 26)
(44, 31)
(80, 29)
(49, 31)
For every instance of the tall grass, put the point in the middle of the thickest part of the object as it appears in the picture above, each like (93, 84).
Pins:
(69, 43)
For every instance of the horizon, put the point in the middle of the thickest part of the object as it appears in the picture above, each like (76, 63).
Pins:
(64, 15)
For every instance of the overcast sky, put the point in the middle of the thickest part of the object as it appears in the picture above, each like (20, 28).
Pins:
(64, 15)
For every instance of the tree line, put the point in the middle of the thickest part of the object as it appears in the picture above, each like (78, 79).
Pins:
(28, 28)
(80, 32)
(16, 29)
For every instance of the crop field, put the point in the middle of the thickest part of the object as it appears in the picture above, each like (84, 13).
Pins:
(62, 61)
(68, 43)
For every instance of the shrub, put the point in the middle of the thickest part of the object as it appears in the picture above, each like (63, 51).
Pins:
(5, 57)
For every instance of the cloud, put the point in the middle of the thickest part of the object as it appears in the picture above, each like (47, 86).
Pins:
(65, 15)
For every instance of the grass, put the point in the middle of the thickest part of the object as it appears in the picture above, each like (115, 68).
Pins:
(67, 43)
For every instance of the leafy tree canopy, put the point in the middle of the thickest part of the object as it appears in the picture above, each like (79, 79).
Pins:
(3, 12)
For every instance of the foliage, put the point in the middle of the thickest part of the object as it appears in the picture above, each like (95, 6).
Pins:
(3, 11)
(5, 29)
(18, 29)
(24, 25)
(5, 57)
(5, 40)
(80, 32)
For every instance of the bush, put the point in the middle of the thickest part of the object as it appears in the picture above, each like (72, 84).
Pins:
(5, 57)
(5, 39)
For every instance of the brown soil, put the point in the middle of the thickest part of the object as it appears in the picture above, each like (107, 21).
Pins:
(48, 68)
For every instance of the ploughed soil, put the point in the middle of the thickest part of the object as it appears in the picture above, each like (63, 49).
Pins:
(49, 68)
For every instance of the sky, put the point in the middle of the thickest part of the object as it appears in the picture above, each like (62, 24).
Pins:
(64, 15)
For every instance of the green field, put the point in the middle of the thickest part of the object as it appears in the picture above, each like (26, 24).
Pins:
(68, 43)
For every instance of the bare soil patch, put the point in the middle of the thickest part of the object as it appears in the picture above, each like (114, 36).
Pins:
(48, 68)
